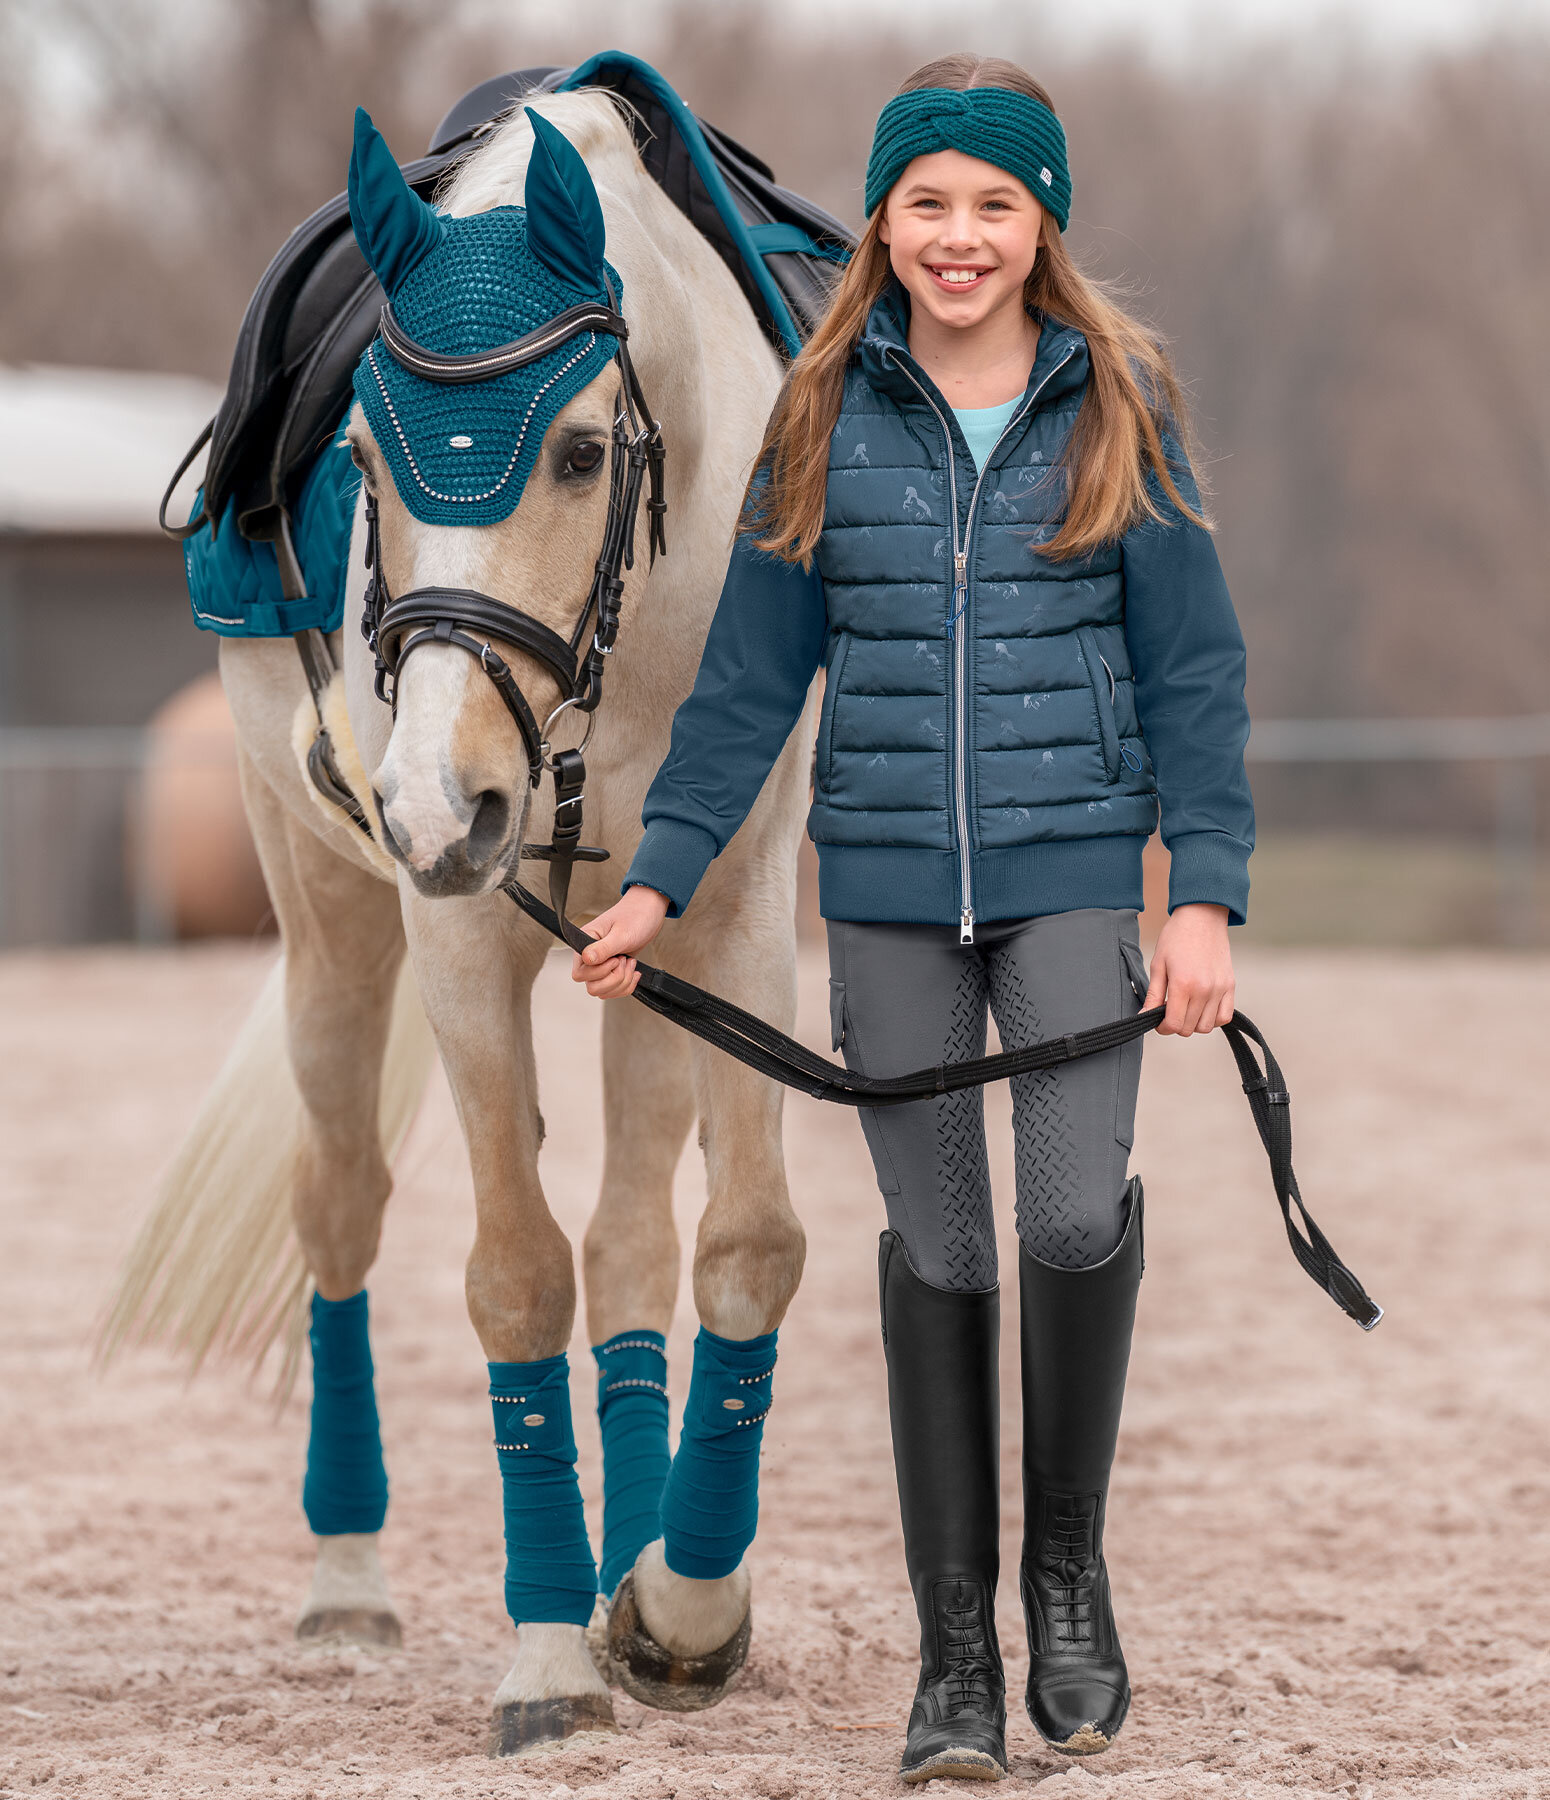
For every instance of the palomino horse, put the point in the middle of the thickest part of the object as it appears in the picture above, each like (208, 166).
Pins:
(445, 776)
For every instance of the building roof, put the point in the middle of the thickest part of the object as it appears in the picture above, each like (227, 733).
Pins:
(91, 450)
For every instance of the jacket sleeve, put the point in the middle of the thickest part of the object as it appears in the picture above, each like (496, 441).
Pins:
(1186, 651)
(763, 648)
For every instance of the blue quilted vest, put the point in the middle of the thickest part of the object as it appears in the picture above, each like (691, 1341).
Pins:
(979, 697)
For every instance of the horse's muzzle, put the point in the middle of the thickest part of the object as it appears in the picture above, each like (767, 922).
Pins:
(470, 848)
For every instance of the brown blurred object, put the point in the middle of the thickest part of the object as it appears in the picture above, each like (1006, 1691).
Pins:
(1155, 863)
(193, 856)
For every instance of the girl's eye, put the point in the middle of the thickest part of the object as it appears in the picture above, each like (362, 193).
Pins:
(585, 458)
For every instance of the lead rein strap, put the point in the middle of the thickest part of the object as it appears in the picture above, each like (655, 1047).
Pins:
(769, 1052)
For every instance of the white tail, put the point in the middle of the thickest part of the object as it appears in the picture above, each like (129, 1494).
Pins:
(216, 1267)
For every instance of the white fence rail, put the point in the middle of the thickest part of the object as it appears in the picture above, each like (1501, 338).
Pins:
(1512, 744)
(69, 863)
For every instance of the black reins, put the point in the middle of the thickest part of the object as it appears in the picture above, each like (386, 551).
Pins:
(761, 1047)
(396, 627)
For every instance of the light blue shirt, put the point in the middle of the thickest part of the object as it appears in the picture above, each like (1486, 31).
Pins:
(982, 425)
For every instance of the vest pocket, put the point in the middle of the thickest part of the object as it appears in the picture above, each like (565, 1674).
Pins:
(1100, 678)
(831, 699)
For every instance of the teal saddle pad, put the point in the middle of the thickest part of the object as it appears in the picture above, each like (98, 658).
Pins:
(234, 582)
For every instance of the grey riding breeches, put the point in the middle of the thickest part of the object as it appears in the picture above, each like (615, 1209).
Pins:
(904, 997)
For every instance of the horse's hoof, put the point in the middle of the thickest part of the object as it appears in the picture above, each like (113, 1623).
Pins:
(366, 1627)
(597, 1643)
(522, 1726)
(659, 1677)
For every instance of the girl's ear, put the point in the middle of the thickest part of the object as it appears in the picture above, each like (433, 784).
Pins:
(564, 220)
(882, 223)
(394, 227)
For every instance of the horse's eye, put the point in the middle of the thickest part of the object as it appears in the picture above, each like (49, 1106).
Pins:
(585, 458)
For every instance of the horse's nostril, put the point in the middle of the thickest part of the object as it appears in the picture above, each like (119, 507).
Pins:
(398, 838)
(487, 832)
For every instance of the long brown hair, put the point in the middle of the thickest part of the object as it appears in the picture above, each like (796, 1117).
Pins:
(1131, 394)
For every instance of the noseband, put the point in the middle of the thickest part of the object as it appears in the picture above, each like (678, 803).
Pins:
(395, 628)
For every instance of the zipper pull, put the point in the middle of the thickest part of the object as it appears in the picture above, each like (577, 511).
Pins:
(960, 589)
(966, 926)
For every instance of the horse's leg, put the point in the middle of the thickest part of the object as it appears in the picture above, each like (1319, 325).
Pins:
(631, 1267)
(343, 946)
(476, 962)
(679, 1625)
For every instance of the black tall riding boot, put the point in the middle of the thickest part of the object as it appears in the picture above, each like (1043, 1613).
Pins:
(1076, 1326)
(943, 1401)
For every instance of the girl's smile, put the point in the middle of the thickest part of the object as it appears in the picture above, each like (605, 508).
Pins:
(959, 277)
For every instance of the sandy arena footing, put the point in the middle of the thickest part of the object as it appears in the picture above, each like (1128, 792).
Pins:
(1331, 1551)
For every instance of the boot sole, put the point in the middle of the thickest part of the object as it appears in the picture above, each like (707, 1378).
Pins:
(962, 1765)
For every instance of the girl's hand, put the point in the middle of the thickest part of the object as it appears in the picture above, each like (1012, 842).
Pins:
(608, 966)
(1192, 971)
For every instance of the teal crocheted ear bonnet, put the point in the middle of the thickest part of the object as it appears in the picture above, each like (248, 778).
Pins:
(998, 125)
(461, 454)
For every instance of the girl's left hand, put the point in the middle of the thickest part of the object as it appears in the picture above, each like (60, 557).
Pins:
(1192, 971)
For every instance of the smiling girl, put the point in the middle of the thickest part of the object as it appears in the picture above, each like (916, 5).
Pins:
(974, 509)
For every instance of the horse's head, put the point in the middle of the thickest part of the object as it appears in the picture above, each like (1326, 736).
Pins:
(491, 475)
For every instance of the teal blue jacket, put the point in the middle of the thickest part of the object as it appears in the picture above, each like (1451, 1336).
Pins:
(999, 732)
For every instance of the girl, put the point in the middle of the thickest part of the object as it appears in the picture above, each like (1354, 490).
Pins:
(974, 507)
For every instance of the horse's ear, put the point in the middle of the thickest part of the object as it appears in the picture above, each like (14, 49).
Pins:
(564, 221)
(393, 226)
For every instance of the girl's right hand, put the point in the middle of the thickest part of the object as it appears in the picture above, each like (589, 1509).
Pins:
(608, 966)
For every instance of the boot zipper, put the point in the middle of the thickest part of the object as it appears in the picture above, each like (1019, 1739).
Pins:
(960, 600)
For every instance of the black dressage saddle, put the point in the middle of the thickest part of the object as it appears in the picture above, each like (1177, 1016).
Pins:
(317, 306)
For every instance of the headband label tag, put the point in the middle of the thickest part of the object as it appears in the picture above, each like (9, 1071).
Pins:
(1046, 177)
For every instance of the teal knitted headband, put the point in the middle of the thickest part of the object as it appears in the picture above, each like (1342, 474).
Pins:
(998, 125)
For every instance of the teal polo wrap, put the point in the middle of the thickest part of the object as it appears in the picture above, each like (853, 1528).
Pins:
(998, 125)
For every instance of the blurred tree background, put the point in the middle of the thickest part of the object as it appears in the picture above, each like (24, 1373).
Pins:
(1350, 261)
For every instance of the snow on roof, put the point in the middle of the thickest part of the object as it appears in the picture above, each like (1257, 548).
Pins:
(91, 450)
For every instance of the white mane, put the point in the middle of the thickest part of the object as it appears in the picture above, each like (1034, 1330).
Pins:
(592, 118)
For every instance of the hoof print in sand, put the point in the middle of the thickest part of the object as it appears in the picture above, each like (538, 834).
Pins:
(368, 1628)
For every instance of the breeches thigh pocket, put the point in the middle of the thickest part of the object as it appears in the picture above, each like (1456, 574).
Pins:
(1132, 991)
(843, 1037)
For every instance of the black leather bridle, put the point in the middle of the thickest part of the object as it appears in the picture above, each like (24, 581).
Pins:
(396, 627)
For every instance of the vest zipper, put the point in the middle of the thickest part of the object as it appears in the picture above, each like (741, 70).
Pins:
(960, 601)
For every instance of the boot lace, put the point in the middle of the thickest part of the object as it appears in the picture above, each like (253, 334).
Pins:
(1069, 1567)
(965, 1684)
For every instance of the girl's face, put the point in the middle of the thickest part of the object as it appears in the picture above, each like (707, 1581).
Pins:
(962, 235)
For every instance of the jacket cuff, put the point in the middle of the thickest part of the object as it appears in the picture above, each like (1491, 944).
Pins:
(1209, 868)
(672, 858)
